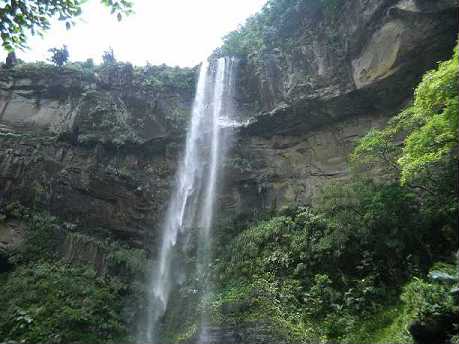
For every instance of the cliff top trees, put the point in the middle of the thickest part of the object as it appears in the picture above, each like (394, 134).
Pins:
(59, 56)
(275, 25)
(108, 56)
(20, 17)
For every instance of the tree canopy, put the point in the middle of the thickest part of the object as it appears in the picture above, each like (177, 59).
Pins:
(59, 56)
(429, 128)
(20, 17)
(275, 25)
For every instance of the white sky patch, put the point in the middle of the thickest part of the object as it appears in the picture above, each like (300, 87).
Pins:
(175, 32)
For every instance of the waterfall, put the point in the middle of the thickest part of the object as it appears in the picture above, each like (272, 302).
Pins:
(192, 204)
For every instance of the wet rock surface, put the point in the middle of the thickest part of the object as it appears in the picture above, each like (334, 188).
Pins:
(117, 191)
(97, 150)
(365, 61)
(254, 332)
(308, 102)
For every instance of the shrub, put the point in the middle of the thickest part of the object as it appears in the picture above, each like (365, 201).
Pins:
(58, 303)
(430, 299)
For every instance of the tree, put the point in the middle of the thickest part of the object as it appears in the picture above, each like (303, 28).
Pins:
(418, 149)
(428, 130)
(108, 57)
(59, 56)
(20, 17)
(11, 59)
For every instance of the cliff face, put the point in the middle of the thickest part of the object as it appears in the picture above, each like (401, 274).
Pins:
(336, 77)
(100, 150)
(97, 150)
(357, 59)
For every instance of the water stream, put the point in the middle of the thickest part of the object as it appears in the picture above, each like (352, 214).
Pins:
(193, 202)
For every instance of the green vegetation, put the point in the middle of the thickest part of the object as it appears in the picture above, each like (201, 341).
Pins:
(425, 299)
(48, 298)
(108, 57)
(355, 268)
(429, 127)
(19, 17)
(59, 56)
(56, 303)
(42, 70)
(149, 77)
(164, 77)
(276, 25)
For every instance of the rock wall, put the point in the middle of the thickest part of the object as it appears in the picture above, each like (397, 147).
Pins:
(310, 100)
(365, 57)
(98, 151)
(272, 173)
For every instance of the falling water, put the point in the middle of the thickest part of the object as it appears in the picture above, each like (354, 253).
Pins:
(192, 204)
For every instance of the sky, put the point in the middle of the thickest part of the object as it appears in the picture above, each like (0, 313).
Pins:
(175, 32)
